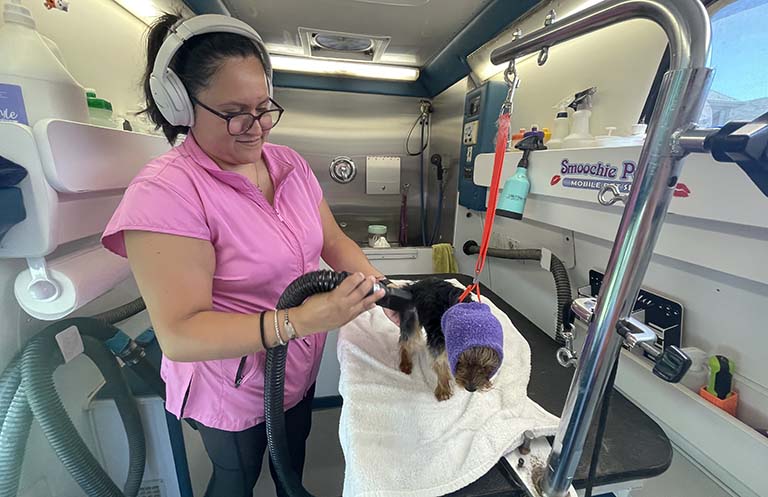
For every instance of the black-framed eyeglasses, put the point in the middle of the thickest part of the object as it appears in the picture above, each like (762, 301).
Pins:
(239, 123)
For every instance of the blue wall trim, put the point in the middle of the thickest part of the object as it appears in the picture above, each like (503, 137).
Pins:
(445, 69)
(450, 64)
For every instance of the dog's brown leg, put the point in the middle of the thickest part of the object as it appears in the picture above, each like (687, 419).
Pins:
(443, 390)
(409, 327)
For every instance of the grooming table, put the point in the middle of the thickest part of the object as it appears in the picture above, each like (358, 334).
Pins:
(634, 447)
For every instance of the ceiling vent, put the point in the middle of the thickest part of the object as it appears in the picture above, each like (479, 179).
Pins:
(346, 46)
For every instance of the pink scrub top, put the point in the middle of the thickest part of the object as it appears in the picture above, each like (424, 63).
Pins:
(260, 250)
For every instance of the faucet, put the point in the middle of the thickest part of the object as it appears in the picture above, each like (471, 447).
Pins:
(681, 97)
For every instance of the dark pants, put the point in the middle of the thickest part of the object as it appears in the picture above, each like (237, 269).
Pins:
(237, 456)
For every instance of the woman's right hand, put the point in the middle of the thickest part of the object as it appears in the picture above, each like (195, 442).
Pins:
(327, 311)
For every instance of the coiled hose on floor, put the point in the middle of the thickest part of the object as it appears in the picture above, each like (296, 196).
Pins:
(556, 267)
(27, 389)
(274, 374)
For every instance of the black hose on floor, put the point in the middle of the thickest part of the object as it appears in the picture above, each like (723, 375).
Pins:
(27, 390)
(556, 267)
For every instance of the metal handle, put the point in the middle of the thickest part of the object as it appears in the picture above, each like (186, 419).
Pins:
(342, 169)
(616, 195)
(635, 332)
(544, 53)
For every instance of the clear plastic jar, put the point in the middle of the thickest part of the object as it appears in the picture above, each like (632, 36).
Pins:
(375, 232)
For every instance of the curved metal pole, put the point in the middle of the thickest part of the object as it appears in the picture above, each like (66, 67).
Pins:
(685, 23)
(679, 103)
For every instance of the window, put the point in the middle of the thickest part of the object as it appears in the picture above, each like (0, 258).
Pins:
(739, 88)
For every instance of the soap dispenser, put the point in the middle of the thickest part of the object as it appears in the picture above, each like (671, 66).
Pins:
(580, 136)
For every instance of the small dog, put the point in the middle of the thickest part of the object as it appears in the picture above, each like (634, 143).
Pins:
(431, 298)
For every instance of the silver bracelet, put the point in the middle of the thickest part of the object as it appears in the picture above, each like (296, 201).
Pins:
(277, 331)
(292, 335)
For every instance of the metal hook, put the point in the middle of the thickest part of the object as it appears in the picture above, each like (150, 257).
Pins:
(617, 196)
(544, 53)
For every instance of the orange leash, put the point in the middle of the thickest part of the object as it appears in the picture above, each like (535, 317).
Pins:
(498, 165)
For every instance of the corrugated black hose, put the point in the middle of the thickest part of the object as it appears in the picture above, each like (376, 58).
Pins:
(556, 267)
(27, 389)
(274, 375)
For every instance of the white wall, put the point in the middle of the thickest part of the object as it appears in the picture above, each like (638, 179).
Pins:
(103, 48)
(102, 45)
(620, 60)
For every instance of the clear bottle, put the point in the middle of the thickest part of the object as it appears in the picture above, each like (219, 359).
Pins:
(35, 85)
(698, 374)
(561, 129)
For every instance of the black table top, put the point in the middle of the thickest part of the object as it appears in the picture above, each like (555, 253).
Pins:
(634, 446)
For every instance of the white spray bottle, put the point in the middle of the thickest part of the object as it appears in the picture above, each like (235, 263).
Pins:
(562, 127)
(580, 136)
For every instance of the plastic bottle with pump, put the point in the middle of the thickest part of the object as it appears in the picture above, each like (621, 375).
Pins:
(36, 85)
(562, 126)
(580, 136)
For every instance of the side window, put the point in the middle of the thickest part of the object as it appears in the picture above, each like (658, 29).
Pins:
(739, 89)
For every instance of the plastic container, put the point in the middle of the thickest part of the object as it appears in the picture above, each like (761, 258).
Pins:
(34, 84)
(514, 194)
(580, 136)
(375, 233)
(517, 137)
(534, 131)
(560, 130)
(638, 134)
(547, 134)
(698, 374)
(100, 112)
(728, 404)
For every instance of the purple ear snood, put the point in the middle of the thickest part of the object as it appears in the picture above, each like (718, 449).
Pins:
(468, 325)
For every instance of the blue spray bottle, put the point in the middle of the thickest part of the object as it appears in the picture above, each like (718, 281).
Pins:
(512, 199)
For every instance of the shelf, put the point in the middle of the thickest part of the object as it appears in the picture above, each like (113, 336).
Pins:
(727, 448)
(76, 177)
(716, 209)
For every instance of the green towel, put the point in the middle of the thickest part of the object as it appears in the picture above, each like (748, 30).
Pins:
(443, 260)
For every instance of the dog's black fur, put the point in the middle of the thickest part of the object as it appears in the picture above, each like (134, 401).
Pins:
(431, 298)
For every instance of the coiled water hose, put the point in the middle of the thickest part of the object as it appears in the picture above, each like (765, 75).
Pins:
(556, 267)
(27, 390)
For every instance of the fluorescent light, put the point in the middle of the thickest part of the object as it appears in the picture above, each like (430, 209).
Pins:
(343, 68)
(144, 10)
(147, 11)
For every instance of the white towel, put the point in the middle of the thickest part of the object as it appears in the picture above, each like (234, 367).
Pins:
(398, 440)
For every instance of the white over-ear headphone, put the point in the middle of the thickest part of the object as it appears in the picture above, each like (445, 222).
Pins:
(168, 91)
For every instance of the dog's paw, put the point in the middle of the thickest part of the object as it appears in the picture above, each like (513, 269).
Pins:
(406, 366)
(442, 393)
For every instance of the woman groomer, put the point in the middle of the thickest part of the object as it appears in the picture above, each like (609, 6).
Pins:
(215, 230)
